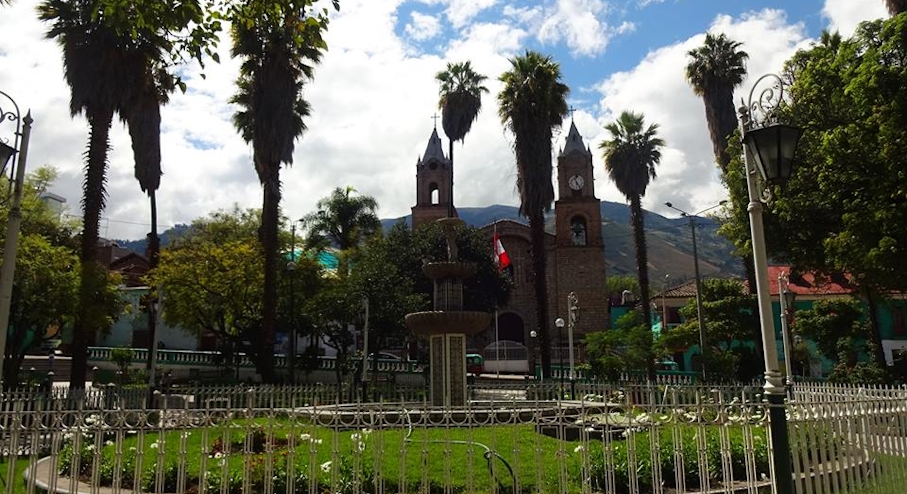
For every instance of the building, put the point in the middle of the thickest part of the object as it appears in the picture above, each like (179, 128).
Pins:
(575, 249)
(807, 289)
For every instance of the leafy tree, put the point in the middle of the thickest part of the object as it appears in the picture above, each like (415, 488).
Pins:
(626, 348)
(279, 41)
(344, 221)
(731, 325)
(485, 291)
(714, 70)
(460, 101)
(379, 277)
(211, 281)
(45, 288)
(630, 156)
(841, 332)
(531, 104)
(616, 285)
(836, 214)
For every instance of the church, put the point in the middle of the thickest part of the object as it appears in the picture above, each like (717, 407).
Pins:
(575, 249)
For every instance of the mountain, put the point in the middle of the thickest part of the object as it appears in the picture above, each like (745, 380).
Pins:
(670, 246)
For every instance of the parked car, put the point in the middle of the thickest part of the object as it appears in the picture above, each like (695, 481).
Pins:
(475, 364)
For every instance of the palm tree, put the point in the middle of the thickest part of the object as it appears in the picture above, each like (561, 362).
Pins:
(279, 44)
(95, 60)
(143, 117)
(895, 7)
(715, 69)
(344, 221)
(460, 102)
(531, 104)
(630, 156)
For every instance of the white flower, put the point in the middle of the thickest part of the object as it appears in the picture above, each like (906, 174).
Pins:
(132, 448)
(90, 447)
(326, 467)
(316, 441)
(366, 432)
(154, 445)
(108, 443)
(579, 449)
(355, 437)
(305, 436)
(361, 446)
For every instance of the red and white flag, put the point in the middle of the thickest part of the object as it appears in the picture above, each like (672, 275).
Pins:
(500, 255)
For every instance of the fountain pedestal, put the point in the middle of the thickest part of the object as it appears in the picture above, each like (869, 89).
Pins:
(448, 326)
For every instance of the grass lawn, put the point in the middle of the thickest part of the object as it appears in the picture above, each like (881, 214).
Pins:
(236, 454)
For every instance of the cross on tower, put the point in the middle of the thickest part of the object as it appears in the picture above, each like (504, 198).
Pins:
(571, 110)
(435, 117)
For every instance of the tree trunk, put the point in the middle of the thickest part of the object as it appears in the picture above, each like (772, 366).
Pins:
(540, 283)
(642, 267)
(875, 333)
(88, 320)
(450, 208)
(154, 248)
(268, 237)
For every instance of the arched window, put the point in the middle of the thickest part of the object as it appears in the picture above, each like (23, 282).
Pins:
(578, 230)
(435, 194)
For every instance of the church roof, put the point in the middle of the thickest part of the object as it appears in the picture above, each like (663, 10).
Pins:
(574, 142)
(434, 149)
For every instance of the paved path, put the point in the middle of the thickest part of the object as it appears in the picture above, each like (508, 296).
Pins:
(44, 475)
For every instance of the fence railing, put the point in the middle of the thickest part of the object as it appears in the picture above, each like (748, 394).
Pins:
(519, 437)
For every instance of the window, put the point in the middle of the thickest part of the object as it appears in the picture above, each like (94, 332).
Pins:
(435, 194)
(578, 230)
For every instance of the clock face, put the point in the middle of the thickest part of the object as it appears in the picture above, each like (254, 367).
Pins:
(576, 182)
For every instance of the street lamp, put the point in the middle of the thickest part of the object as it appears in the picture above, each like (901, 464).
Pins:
(559, 323)
(291, 268)
(572, 316)
(769, 149)
(7, 271)
(700, 314)
(786, 299)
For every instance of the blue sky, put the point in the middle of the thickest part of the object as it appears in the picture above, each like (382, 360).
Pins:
(374, 93)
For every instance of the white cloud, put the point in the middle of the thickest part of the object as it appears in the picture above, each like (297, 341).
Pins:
(423, 27)
(372, 101)
(657, 87)
(845, 15)
(578, 22)
(460, 12)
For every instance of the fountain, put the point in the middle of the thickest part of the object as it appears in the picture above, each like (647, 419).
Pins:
(448, 326)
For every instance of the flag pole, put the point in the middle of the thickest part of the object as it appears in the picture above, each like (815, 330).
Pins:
(497, 341)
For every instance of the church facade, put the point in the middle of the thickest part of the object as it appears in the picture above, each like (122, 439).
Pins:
(575, 249)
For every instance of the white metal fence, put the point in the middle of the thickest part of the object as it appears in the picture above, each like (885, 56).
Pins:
(518, 438)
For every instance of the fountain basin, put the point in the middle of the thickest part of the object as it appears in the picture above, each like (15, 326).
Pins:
(449, 270)
(440, 322)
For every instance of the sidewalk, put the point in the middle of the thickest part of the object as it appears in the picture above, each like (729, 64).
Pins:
(44, 474)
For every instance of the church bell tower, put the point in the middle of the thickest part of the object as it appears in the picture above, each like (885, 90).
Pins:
(433, 184)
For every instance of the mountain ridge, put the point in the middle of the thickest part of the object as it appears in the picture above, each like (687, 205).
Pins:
(669, 242)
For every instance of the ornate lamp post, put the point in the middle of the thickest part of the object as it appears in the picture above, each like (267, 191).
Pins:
(700, 314)
(7, 271)
(769, 149)
(786, 298)
(572, 316)
(559, 323)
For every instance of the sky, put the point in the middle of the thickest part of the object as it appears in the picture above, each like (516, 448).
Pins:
(374, 94)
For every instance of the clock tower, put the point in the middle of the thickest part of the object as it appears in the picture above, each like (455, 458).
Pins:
(580, 251)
